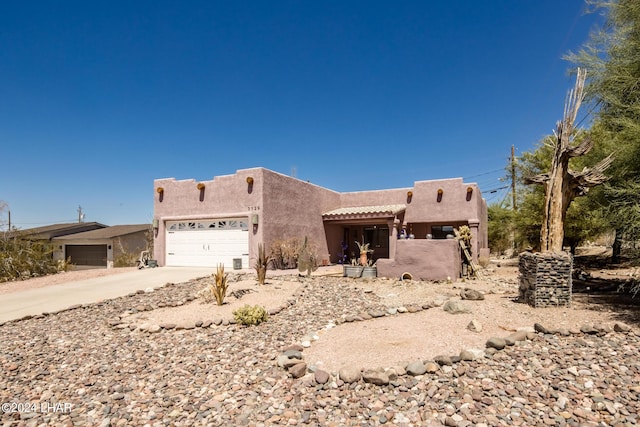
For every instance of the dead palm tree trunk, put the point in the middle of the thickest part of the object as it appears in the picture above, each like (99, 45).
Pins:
(563, 184)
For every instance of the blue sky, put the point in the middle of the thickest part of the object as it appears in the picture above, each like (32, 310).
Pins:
(98, 99)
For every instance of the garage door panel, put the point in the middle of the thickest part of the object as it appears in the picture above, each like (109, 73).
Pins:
(206, 247)
(93, 255)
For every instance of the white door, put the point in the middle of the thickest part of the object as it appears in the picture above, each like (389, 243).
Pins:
(207, 243)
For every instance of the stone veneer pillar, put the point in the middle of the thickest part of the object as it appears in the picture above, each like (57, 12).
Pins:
(545, 279)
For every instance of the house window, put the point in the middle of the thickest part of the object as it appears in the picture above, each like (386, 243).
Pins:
(441, 231)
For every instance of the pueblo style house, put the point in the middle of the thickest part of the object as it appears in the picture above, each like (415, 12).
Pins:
(225, 219)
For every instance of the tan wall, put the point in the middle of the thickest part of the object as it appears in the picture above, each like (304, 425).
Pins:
(454, 205)
(130, 244)
(375, 197)
(224, 196)
(294, 208)
(424, 260)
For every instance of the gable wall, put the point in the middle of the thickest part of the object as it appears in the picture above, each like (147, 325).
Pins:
(293, 208)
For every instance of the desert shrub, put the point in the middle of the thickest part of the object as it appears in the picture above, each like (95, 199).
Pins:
(216, 291)
(285, 253)
(129, 256)
(248, 315)
(23, 259)
(261, 264)
(126, 259)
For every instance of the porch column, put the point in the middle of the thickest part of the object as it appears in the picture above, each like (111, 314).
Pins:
(393, 236)
(475, 243)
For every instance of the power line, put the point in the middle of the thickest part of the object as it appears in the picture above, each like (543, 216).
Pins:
(47, 223)
(484, 173)
(496, 189)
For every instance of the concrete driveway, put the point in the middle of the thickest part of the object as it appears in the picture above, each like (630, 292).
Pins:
(57, 297)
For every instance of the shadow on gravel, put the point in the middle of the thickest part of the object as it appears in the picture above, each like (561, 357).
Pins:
(601, 286)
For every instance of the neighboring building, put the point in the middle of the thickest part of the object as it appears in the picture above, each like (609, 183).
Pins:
(224, 220)
(48, 232)
(103, 247)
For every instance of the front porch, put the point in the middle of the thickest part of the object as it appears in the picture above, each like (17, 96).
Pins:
(375, 225)
(427, 251)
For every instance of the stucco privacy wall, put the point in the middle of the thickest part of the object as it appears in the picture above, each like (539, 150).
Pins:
(424, 259)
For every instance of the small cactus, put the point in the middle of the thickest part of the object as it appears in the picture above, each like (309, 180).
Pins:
(306, 259)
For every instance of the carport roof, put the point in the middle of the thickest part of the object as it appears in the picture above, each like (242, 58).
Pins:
(108, 232)
(49, 232)
(362, 212)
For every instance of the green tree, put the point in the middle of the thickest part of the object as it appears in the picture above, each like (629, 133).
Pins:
(500, 228)
(612, 58)
(4, 211)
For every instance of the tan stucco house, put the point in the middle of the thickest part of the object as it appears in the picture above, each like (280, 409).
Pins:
(102, 247)
(223, 221)
(91, 244)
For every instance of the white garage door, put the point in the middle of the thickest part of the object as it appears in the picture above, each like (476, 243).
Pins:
(207, 243)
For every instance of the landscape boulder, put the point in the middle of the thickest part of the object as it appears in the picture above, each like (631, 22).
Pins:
(455, 307)
(471, 294)
(350, 374)
(496, 342)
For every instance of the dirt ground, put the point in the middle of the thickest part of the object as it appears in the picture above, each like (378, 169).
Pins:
(397, 340)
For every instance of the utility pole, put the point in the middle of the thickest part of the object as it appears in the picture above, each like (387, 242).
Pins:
(80, 214)
(513, 178)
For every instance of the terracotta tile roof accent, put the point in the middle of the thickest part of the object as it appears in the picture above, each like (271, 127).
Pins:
(382, 210)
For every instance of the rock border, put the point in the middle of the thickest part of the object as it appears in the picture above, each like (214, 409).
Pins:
(291, 357)
(120, 321)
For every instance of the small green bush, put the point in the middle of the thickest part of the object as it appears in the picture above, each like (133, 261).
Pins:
(248, 315)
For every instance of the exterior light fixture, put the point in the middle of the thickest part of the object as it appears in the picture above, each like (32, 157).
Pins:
(409, 194)
(160, 190)
(254, 219)
(250, 180)
(156, 223)
(440, 191)
(200, 186)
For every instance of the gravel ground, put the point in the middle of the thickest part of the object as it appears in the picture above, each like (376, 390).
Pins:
(91, 366)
